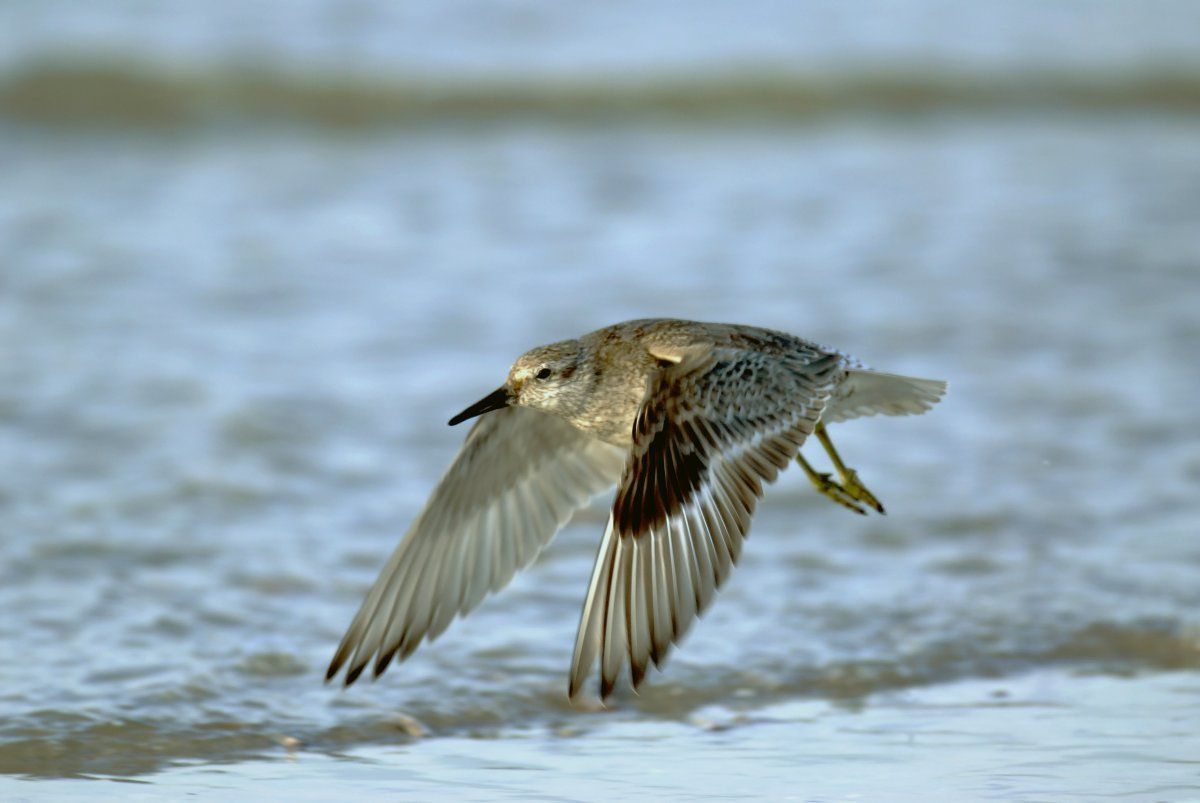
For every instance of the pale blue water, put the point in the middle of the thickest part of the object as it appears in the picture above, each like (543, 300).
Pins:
(228, 347)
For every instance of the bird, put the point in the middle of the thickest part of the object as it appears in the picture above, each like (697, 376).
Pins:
(687, 420)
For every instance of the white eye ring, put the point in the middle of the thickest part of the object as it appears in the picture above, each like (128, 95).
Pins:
(543, 373)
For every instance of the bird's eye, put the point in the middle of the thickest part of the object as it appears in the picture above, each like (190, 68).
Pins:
(542, 374)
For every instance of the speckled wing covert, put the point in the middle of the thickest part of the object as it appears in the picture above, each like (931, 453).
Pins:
(517, 479)
(716, 423)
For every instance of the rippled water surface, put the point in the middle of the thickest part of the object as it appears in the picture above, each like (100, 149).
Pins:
(227, 354)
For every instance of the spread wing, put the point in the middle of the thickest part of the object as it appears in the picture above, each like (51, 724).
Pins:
(517, 479)
(716, 423)
(868, 392)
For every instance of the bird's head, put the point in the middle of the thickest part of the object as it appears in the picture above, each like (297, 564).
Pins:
(545, 378)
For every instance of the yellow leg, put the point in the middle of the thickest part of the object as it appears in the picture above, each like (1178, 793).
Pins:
(827, 486)
(851, 484)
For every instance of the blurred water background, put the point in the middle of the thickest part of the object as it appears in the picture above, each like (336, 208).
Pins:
(253, 255)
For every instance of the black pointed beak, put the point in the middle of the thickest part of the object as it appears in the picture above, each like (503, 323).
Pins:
(495, 400)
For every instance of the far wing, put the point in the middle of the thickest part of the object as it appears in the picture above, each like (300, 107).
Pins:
(716, 423)
(866, 392)
(517, 479)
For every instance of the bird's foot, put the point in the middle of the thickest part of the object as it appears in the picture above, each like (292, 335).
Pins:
(852, 486)
(830, 488)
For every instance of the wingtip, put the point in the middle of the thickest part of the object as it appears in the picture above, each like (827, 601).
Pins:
(335, 666)
(578, 698)
(353, 673)
(382, 663)
(576, 694)
(576, 678)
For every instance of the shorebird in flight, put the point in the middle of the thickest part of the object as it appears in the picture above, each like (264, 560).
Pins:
(688, 420)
